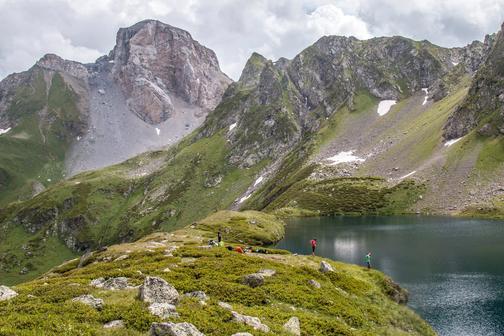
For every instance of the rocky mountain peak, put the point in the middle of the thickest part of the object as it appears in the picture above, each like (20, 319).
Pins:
(157, 64)
(55, 63)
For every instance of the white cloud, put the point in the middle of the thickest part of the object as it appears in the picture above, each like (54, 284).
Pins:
(83, 30)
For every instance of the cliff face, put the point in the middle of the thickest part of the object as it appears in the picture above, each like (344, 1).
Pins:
(484, 104)
(275, 104)
(156, 63)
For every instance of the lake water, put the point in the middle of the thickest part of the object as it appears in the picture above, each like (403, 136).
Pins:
(452, 267)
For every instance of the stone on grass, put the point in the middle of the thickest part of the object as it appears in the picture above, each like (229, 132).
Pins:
(114, 324)
(6, 293)
(314, 283)
(325, 267)
(292, 326)
(155, 289)
(267, 272)
(200, 295)
(163, 310)
(174, 329)
(251, 321)
(111, 283)
(242, 334)
(89, 300)
(225, 305)
(253, 280)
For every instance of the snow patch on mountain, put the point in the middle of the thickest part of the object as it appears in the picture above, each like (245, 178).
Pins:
(451, 142)
(384, 106)
(344, 157)
(426, 90)
(3, 131)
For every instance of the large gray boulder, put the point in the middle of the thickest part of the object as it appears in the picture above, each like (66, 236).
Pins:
(6, 293)
(251, 321)
(325, 267)
(174, 329)
(111, 283)
(292, 326)
(253, 280)
(89, 300)
(155, 289)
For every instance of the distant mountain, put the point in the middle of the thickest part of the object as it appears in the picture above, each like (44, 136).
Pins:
(345, 127)
(155, 86)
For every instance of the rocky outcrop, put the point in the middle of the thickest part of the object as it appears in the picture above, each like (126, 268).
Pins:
(111, 283)
(156, 63)
(251, 321)
(6, 293)
(55, 63)
(89, 300)
(163, 310)
(485, 99)
(174, 329)
(253, 280)
(325, 267)
(292, 326)
(157, 290)
(116, 324)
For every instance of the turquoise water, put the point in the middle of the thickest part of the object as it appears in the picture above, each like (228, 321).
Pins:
(452, 267)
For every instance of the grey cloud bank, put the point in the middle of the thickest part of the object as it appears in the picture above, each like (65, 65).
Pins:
(85, 30)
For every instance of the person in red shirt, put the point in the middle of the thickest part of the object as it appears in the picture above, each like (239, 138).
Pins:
(313, 243)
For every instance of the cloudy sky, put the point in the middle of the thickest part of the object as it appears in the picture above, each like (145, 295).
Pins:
(84, 30)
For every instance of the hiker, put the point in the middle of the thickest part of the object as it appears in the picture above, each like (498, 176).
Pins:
(368, 260)
(219, 236)
(313, 243)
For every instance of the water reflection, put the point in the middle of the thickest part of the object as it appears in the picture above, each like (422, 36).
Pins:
(452, 267)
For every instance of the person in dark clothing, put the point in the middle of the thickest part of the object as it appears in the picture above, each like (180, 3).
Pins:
(313, 243)
(219, 236)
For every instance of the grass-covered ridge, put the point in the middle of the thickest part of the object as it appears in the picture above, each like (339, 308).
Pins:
(161, 190)
(351, 300)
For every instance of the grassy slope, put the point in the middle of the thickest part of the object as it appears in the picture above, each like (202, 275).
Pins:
(351, 301)
(34, 150)
(158, 190)
(290, 192)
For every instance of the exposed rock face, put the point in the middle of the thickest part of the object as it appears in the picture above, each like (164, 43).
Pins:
(485, 99)
(6, 293)
(275, 104)
(89, 300)
(158, 290)
(57, 64)
(397, 293)
(252, 321)
(292, 326)
(325, 267)
(154, 62)
(174, 329)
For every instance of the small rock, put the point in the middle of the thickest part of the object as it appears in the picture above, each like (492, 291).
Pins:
(124, 256)
(314, 283)
(292, 326)
(114, 324)
(174, 329)
(6, 293)
(163, 310)
(85, 259)
(155, 289)
(325, 267)
(267, 272)
(252, 321)
(101, 91)
(253, 280)
(242, 334)
(118, 283)
(200, 295)
(89, 300)
(225, 305)
(166, 270)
